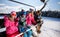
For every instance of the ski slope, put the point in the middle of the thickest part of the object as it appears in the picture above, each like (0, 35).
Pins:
(50, 28)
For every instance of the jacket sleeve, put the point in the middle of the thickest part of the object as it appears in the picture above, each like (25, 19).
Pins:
(33, 21)
(16, 23)
(6, 22)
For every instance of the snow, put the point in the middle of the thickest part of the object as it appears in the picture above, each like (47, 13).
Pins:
(51, 27)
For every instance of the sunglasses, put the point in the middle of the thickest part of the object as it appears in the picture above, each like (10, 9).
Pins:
(13, 14)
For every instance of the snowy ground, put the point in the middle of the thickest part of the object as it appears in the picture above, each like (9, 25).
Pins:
(50, 27)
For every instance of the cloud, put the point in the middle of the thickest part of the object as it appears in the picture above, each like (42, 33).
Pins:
(58, 2)
(39, 7)
(45, 8)
(7, 9)
(2, 4)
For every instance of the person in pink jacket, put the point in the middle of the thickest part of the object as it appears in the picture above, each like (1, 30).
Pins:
(29, 22)
(11, 24)
(30, 18)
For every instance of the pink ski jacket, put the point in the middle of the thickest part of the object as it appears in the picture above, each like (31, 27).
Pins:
(11, 26)
(30, 19)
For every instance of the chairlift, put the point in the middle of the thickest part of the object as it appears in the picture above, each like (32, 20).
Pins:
(44, 1)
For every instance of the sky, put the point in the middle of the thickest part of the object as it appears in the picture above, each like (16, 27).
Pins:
(7, 6)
